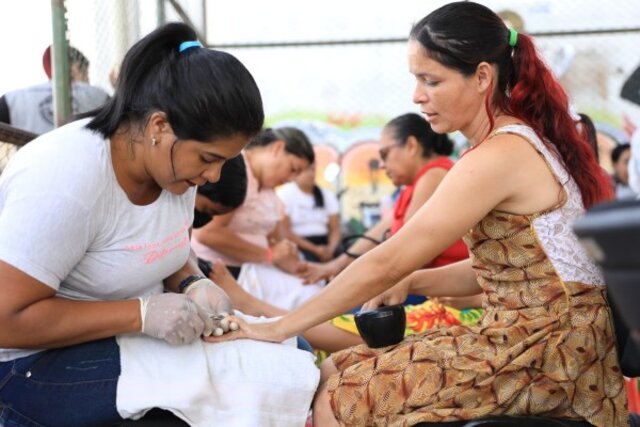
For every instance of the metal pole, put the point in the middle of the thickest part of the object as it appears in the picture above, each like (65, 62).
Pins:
(162, 14)
(185, 18)
(60, 65)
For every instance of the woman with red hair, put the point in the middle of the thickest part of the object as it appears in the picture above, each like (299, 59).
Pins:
(545, 345)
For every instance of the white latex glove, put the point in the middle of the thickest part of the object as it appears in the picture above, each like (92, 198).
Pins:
(215, 303)
(172, 317)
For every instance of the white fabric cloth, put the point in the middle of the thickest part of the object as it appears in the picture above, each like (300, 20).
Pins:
(72, 227)
(276, 287)
(307, 219)
(242, 383)
(554, 228)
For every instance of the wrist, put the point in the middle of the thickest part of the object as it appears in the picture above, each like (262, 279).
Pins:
(269, 255)
(343, 262)
(281, 330)
(187, 283)
(409, 285)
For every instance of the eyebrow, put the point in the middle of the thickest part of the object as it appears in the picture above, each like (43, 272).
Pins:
(217, 156)
(424, 74)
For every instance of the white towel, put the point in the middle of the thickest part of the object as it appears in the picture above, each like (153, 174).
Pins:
(236, 384)
(276, 287)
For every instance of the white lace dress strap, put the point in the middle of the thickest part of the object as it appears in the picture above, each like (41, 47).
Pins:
(554, 228)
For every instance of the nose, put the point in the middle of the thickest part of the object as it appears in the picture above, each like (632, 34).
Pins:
(418, 95)
(212, 174)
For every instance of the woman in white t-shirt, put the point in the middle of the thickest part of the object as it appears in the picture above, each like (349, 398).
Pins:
(102, 304)
(312, 216)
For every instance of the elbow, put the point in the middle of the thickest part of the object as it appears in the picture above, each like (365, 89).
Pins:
(210, 239)
(388, 270)
(8, 332)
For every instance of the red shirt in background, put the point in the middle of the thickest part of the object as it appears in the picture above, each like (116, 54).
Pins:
(458, 250)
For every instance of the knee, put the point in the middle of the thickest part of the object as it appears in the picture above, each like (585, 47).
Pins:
(322, 412)
(327, 368)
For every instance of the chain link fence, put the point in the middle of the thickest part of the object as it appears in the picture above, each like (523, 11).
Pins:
(338, 69)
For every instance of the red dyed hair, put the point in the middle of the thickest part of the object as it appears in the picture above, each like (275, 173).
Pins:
(462, 34)
(540, 101)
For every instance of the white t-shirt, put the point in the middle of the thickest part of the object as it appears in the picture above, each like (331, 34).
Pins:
(31, 108)
(306, 219)
(65, 221)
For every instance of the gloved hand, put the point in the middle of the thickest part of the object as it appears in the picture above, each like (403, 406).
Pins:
(215, 303)
(172, 317)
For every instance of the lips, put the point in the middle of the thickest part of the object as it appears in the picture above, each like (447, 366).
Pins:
(429, 116)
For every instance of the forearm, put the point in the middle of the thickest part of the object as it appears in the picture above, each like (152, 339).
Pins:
(248, 304)
(334, 240)
(375, 274)
(230, 244)
(453, 280)
(58, 322)
(377, 232)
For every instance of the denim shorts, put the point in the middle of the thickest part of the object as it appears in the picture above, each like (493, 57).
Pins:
(66, 387)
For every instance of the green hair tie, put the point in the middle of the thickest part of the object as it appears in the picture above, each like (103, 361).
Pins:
(513, 37)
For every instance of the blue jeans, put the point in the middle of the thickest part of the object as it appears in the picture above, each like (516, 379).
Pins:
(67, 387)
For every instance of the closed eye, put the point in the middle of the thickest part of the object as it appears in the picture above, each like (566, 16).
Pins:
(211, 158)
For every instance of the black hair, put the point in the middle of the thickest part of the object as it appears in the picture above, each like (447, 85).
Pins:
(412, 124)
(618, 150)
(461, 35)
(479, 35)
(205, 93)
(295, 141)
(318, 198)
(589, 132)
(78, 58)
(231, 189)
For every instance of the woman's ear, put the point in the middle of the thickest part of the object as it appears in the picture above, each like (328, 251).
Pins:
(158, 124)
(277, 147)
(484, 76)
(412, 146)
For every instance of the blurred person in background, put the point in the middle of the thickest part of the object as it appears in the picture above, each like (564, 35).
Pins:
(250, 240)
(620, 157)
(312, 216)
(416, 160)
(634, 163)
(31, 108)
(250, 233)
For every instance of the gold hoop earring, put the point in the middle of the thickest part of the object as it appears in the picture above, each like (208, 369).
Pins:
(153, 141)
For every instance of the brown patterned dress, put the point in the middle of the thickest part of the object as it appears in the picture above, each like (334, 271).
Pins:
(545, 345)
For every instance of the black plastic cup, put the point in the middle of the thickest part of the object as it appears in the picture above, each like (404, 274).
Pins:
(383, 326)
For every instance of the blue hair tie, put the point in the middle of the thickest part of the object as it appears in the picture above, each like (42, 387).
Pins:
(188, 45)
